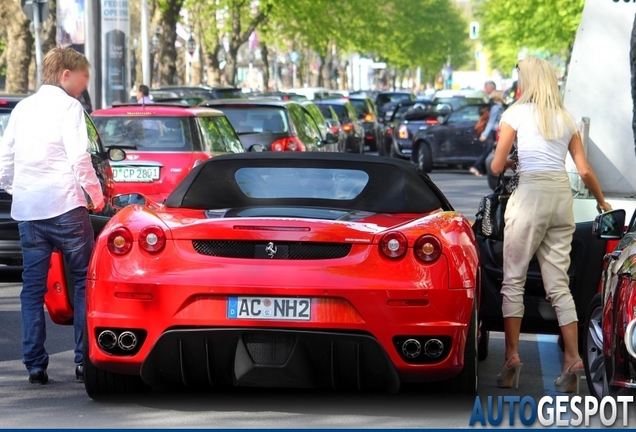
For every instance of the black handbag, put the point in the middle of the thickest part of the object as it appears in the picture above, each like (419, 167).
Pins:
(489, 220)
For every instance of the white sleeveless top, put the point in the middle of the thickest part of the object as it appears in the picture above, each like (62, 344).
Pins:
(536, 153)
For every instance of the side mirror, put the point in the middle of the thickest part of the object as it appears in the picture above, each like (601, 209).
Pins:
(609, 225)
(257, 148)
(332, 138)
(116, 154)
(118, 202)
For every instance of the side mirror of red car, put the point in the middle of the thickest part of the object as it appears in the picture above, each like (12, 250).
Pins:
(116, 154)
(609, 225)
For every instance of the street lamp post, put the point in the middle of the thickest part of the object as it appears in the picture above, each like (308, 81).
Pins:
(145, 43)
(191, 47)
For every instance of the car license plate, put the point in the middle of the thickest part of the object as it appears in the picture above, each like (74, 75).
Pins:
(269, 308)
(135, 174)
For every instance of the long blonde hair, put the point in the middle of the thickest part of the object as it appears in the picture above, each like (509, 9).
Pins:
(539, 86)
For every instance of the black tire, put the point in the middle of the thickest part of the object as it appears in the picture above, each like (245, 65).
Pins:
(593, 358)
(101, 385)
(424, 158)
(467, 381)
(482, 347)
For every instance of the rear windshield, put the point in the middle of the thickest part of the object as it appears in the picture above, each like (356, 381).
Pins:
(256, 119)
(152, 134)
(325, 183)
(393, 98)
(326, 112)
(340, 110)
(360, 106)
(229, 94)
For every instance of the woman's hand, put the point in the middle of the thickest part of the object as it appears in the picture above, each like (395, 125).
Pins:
(603, 207)
(482, 138)
(510, 164)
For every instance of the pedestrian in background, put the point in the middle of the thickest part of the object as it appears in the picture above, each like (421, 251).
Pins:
(489, 134)
(143, 95)
(46, 167)
(539, 218)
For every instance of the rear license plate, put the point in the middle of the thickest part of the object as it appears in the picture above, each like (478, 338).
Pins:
(135, 174)
(269, 308)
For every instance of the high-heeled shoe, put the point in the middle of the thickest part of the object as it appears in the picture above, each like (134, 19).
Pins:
(509, 374)
(570, 379)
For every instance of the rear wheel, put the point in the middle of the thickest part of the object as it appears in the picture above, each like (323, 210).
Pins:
(593, 358)
(100, 384)
(467, 381)
(424, 158)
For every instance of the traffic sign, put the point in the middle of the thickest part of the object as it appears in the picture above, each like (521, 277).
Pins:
(473, 30)
(293, 56)
(43, 6)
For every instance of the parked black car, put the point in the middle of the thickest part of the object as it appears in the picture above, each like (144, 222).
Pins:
(387, 101)
(191, 93)
(275, 125)
(367, 113)
(10, 250)
(389, 127)
(324, 126)
(351, 126)
(450, 140)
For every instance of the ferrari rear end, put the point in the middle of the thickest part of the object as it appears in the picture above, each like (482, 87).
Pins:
(284, 296)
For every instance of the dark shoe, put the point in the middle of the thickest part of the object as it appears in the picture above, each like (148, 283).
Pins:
(79, 372)
(39, 377)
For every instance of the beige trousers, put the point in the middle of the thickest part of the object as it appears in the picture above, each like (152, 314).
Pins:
(539, 219)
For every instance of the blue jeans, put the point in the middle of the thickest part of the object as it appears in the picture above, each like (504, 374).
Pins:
(72, 234)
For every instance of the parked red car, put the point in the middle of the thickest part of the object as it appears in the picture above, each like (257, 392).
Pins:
(285, 269)
(165, 141)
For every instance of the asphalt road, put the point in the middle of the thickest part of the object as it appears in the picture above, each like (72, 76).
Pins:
(64, 404)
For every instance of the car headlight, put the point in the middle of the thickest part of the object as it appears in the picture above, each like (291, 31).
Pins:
(630, 338)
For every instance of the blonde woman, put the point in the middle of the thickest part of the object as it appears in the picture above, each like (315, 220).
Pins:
(539, 217)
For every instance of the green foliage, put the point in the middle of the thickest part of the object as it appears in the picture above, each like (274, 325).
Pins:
(544, 25)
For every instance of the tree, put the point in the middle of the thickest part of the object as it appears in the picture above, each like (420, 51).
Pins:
(166, 14)
(546, 25)
(234, 20)
(19, 46)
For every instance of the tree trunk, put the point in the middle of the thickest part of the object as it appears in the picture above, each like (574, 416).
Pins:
(231, 66)
(265, 59)
(167, 56)
(19, 48)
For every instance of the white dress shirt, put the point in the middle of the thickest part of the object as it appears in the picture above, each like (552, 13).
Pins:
(44, 159)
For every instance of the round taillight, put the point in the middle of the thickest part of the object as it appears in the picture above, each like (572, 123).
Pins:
(428, 248)
(393, 245)
(152, 239)
(120, 241)
(292, 145)
(278, 146)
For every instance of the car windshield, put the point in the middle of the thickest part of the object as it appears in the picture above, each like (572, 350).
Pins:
(455, 102)
(340, 110)
(151, 134)
(385, 98)
(247, 120)
(325, 183)
(326, 112)
(4, 119)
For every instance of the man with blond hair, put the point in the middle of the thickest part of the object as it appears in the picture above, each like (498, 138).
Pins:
(45, 165)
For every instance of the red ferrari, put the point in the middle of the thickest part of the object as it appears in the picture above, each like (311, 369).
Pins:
(284, 270)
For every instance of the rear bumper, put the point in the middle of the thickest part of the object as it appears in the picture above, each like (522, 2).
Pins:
(269, 358)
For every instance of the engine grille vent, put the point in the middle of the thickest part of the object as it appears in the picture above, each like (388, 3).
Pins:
(271, 250)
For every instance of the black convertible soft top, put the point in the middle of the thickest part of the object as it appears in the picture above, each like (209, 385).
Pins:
(394, 186)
